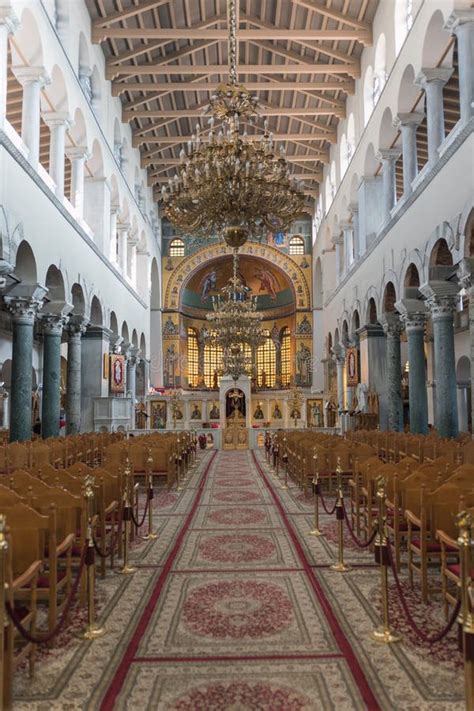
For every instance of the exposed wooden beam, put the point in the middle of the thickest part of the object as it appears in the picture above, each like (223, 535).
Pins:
(326, 11)
(346, 85)
(318, 154)
(131, 11)
(199, 113)
(100, 34)
(112, 70)
(186, 69)
(303, 137)
(145, 48)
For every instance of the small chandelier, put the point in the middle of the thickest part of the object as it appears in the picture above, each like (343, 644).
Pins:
(234, 318)
(235, 325)
(231, 185)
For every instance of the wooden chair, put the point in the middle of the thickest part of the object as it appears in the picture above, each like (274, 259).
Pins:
(23, 566)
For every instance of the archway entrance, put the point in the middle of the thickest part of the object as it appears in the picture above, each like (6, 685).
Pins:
(235, 432)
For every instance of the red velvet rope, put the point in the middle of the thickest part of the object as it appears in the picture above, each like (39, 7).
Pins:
(135, 520)
(425, 638)
(115, 538)
(67, 607)
(329, 512)
(358, 543)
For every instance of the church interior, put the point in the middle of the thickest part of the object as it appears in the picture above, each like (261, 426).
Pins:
(236, 355)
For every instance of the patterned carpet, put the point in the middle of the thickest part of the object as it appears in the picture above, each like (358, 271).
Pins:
(235, 608)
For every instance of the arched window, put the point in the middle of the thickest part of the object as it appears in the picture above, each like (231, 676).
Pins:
(193, 358)
(296, 245)
(176, 248)
(403, 21)
(285, 357)
(212, 363)
(266, 362)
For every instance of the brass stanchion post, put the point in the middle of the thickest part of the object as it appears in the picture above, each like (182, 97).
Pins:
(466, 543)
(3, 564)
(285, 464)
(383, 633)
(92, 630)
(316, 491)
(126, 569)
(178, 460)
(340, 566)
(150, 536)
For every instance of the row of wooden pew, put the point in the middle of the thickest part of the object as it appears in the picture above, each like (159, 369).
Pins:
(49, 516)
(426, 487)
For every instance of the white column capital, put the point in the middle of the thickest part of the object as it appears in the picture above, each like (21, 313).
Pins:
(337, 239)
(458, 18)
(439, 75)
(354, 208)
(57, 118)
(441, 297)
(114, 209)
(8, 16)
(413, 118)
(123, 226)
(346, 226)
(29, 75)
(388, 155)
(78, 153)
(133, 240)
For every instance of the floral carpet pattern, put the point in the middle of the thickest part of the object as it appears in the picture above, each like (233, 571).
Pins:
(235, 608)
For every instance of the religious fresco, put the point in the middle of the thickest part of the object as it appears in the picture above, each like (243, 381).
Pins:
(271, 273)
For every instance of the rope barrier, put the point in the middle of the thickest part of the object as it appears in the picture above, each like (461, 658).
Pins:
(145, 511)
(113, 543)
(26, 634)
(358, 543)
(425, 638)
(329, 512)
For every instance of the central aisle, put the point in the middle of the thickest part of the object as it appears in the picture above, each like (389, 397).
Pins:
(235, 608)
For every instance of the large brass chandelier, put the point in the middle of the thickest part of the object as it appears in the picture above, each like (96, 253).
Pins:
(231, 185)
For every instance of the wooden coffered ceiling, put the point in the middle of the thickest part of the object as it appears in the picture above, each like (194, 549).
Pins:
(301, 57)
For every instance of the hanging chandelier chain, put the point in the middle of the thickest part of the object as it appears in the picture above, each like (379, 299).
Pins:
(232, 41)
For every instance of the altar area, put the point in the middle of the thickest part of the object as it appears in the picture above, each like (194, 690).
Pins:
(234, 416)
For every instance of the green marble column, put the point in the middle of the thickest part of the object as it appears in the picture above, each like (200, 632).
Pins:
(393, 328)
(52, 326)
(75, 328)
(23, 309)
(442, 310)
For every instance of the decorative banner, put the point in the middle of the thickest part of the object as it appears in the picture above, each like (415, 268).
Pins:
(117, 373)
(352, 374)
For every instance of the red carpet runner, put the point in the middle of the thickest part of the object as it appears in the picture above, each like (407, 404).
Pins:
(264, 606)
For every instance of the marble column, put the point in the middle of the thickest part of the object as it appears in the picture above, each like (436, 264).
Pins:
(132, 362)
(9, 23)
(348, 237)
(407, 123)
(441, 299)
(339, 355)
(78, 156)
(466, 279)
(338, 241)
(122, 236)
(33, 79)
(354, 210)
(461, 23)
(58, 123)
(461, 396)
(414, 314)
(114, 211)
(432, 82)
(388, 158)
(132, 260)
(23, 305)
(52, 325)
(75, 328)
(392, 327)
